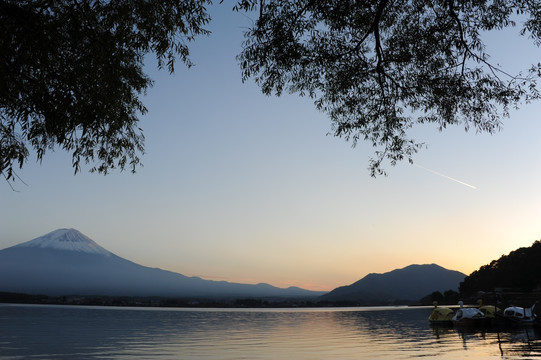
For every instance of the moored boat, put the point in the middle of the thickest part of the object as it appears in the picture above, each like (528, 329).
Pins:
(492, 313)
(519, 315)
(441, 316)
(468, 317)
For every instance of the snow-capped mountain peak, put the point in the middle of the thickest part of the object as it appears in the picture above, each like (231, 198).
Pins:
(67, 239)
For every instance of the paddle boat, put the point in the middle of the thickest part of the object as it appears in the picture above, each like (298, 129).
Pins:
(468, 317)
(492, 313)
(520, 315)
(441, 316)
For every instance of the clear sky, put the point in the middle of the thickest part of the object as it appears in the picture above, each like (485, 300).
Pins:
(242, 187)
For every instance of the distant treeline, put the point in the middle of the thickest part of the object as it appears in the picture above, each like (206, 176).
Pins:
(141, 301)
(449, 297)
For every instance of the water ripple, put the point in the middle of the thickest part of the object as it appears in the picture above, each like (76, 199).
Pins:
(34, 332)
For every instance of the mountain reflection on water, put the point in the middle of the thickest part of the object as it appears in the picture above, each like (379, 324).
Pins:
(58, 332)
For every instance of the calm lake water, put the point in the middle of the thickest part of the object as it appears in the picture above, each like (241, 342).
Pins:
(62, 332)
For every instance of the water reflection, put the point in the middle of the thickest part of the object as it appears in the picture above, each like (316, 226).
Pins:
(518, 341)
(100, 333)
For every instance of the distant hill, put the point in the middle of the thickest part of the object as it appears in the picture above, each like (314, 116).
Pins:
(66, 262)
(519, 270)
(398, 286)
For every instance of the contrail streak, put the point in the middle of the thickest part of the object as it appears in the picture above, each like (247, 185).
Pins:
(445, 176)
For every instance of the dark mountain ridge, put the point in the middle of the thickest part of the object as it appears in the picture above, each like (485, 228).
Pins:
(408, 284)
(520, 270)
(65, 262)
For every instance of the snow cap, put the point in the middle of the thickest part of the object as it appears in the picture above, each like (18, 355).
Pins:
(67, 239)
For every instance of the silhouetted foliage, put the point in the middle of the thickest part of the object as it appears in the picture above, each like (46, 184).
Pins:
(71, 71)
(520, 270)
(71, 74)
(379, 67)
(448, 297)
(436, 296)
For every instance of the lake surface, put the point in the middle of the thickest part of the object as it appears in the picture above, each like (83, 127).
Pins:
(78, 332)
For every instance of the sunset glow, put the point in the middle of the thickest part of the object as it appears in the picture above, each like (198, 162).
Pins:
(243, 187)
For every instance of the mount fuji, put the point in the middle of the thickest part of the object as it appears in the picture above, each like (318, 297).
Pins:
(66, 262)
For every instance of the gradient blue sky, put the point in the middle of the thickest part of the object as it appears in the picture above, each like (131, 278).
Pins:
(242, 187)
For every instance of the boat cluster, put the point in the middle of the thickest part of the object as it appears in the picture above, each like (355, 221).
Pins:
(483, 316)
